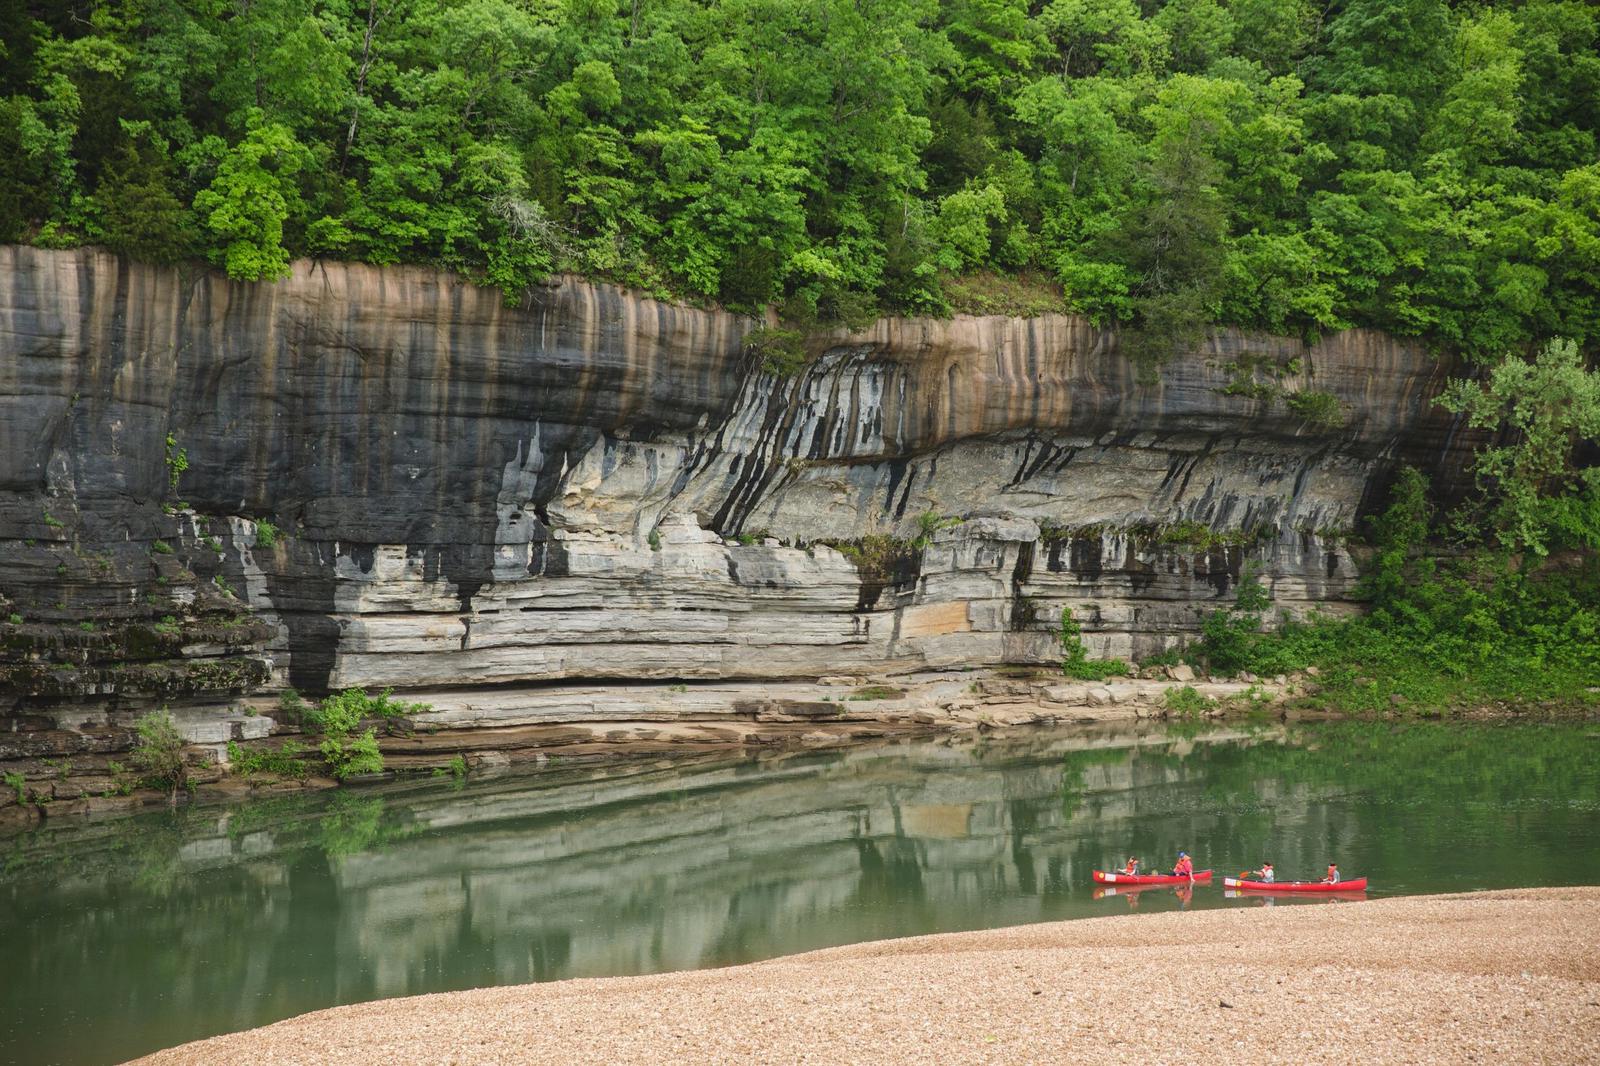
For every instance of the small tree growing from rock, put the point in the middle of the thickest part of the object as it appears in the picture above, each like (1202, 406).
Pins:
(159, 752)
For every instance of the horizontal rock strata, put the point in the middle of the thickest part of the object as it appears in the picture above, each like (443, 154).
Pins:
(387, 477)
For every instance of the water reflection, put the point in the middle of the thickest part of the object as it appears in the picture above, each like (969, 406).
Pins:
(1184, 894)
(126, 936)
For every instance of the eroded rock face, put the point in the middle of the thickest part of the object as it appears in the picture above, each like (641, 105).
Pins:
(595, 485)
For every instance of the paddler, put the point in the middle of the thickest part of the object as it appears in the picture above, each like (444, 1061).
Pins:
(1184, 866)
(1131, 867)
(1264, 874)
(1333, 874)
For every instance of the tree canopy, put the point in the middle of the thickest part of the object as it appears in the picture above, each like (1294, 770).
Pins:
(1425, 167)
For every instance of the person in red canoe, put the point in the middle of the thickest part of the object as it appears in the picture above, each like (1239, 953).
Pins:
(1184, 866)
(1333, 874)
(1131, 868)
(1264, 874)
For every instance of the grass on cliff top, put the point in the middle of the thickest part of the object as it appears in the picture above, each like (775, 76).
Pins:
(1025, 295)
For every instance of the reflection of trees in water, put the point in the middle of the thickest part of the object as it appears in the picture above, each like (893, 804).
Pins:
(17, 857)
(1412, 797)
(276, 814)
(1492, 763)
(1075, 764)
(155, 857)
(153, 947)
(354, 823)
(474, 952)
(891, 871)
(1023, 818)
(549, 954)
(1508, 795)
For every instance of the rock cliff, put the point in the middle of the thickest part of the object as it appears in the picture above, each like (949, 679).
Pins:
(388, 477)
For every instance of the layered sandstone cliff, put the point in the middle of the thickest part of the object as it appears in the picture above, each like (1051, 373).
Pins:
(596, 486)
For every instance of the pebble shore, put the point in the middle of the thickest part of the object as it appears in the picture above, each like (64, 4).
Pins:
(1506, 976)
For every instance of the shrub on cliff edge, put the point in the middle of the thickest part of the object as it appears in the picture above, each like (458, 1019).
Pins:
(782, 351)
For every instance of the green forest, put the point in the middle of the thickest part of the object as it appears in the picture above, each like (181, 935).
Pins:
(1425, 167)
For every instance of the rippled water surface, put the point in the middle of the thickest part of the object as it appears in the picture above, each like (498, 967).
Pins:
(125, 936)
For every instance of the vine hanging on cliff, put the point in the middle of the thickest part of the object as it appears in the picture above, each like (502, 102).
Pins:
(1075, 661)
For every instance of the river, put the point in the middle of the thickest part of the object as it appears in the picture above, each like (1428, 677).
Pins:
(123, 936)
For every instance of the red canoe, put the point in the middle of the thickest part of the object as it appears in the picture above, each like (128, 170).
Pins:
(1256, 895)
(1149, 879)
(1358, 884)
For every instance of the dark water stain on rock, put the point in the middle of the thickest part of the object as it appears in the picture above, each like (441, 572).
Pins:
(1086, 555)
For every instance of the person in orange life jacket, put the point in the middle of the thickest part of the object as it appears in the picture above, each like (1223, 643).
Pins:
(1184, 866)
(1333, 874)
(1265, 873)
(1132, 867)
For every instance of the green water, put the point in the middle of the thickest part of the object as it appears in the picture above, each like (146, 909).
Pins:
(120, 937)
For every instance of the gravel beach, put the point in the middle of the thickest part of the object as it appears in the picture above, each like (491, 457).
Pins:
(1510, 976)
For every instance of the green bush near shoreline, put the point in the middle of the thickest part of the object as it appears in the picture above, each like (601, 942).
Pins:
(1497, 602)
(283, 761)
(1467, 632)
(1370, 665)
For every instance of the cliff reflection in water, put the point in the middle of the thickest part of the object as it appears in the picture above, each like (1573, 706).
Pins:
(125, 936)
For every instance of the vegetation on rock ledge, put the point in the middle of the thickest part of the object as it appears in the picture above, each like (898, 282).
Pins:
(337, 717)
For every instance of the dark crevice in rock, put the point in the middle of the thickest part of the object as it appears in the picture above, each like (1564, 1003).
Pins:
(1022, 608)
